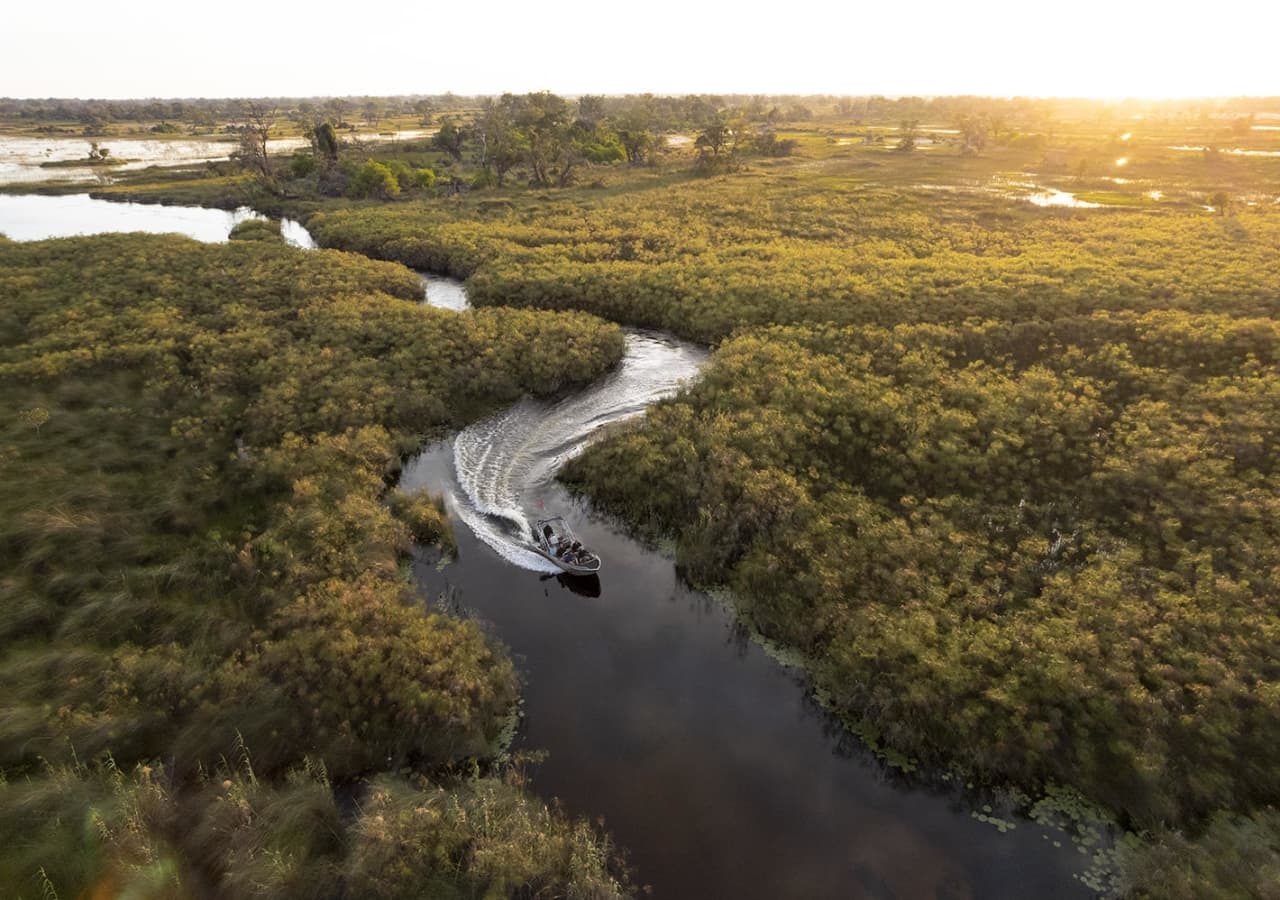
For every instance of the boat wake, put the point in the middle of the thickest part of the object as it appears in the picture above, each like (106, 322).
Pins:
(502, 463)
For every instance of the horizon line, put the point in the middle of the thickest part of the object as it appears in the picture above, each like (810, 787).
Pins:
(1105, 98)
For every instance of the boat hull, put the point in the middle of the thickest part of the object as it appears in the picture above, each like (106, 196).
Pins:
(564, 566)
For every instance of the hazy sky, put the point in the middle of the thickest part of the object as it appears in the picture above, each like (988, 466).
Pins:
(150, 48)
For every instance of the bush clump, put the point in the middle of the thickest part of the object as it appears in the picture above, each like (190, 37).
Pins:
(265, 230)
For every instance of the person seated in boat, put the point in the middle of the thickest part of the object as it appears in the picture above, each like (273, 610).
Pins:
(547, 533)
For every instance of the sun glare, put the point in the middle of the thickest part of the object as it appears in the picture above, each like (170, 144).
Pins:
(987, 47)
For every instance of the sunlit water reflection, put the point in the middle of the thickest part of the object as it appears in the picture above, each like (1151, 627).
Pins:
(31, 217)
(21, 157)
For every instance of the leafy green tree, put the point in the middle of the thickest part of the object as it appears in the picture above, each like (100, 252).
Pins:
(500, 144)
(450, 138)
(35, 417)
(591, 110)
(638, 143)
(713, 139)
(544, 119)
(324, 141)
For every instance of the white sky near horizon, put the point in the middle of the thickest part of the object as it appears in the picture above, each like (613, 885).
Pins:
(232, 48)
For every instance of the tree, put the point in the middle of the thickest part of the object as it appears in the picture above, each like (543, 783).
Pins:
(974, 130)
(637, 144)
(714, 138)
(35, 417)
(718, 143)
(450, 138)
(500, 144)
(908, 133)
(742, 133)
(636, 132)
(591, 109)
(571, 151)
(998, 127)
(544, 119)
(768, 144)
(255, 132)
(324, 140)
(338, 108)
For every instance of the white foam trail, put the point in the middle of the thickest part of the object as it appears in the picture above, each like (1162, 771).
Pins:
(446, 293)
(502, 461)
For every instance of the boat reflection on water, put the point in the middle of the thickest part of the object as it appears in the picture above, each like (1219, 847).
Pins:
(582, 585)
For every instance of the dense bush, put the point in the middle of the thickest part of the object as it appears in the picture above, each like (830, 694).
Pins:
(373, 179)
(196, 555)
(234, 834)
(1008, 478)
(257, 230)
(1054, 568)
(302, 165)
(705, 258)
(1236, 858)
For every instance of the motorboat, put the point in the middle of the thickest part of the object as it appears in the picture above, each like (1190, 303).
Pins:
(555, 542)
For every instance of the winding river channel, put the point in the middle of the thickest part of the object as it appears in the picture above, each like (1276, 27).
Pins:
(705, 757)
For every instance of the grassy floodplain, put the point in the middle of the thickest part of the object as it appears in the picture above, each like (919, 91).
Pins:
(1002, 472)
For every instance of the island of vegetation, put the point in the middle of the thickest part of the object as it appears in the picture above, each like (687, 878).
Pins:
(209, 638)
(1002, 472)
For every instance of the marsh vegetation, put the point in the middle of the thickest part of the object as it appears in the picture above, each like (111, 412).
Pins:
(206, 625)
(1001, 473)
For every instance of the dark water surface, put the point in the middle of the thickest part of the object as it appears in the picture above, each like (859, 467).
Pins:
(705, 757)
